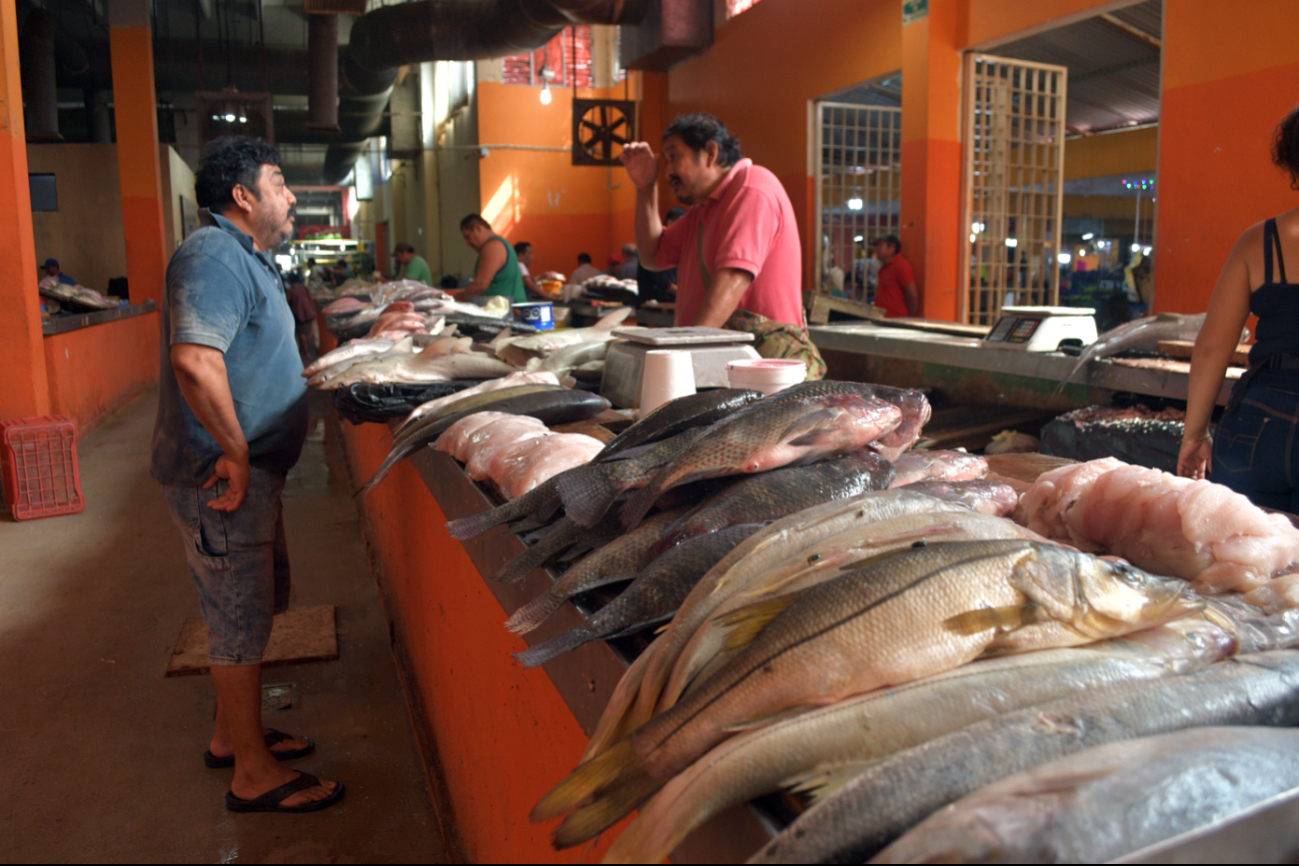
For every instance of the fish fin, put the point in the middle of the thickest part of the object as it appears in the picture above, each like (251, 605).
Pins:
(613, 320)
(813, 428)
(747, 622)
(824, 780)
(607, 787)
(770, 719)
(1001, 618)
(635, 509)
(640, 626)
(556, 646)
(878, 557)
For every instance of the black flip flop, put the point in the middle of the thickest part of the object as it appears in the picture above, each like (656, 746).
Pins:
(271, 800)
(273, 738)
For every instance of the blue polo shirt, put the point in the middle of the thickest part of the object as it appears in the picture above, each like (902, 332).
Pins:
(222, 293)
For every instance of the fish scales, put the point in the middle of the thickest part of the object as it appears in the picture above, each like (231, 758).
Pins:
(590, 491)
(676, 416)
(1111, 800)
(875, 725)
(654, 595)
(886, 623)
(563, 534)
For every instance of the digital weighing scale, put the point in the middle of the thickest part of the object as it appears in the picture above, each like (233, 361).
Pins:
(1042, 329)
(710, 349)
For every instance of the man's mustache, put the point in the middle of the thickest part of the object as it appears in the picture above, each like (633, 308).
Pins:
(293, 213)
(674, 180)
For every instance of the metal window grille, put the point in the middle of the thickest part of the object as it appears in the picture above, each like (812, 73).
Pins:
(1013, 185)
(859, 171)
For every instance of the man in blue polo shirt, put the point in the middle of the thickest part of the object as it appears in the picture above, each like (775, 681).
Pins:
(232, 417)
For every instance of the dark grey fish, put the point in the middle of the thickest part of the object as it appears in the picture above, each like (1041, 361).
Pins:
(534, 502)
(550, 406)
(562, 535)
(609, 564)
(588, 491)
(1110, 801)
(676, 416)
(653, 596)
(773, 495)
(855, 822)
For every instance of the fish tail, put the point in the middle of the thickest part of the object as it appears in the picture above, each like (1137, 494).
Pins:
(535, 612)
(610, 785)
(588, 493)
(556, 646)
(519, 567)
(519, 508)
(393, 458)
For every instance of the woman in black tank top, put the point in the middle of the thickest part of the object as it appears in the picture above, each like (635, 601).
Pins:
(1255, 450)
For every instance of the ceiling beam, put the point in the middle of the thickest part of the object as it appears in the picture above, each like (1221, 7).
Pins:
(1132, 30)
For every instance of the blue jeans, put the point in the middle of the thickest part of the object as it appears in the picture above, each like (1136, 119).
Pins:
(239, 561)
(1254, 450)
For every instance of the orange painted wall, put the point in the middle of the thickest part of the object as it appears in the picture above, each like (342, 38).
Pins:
(1228, 80)
(94, 370)
(504, 735)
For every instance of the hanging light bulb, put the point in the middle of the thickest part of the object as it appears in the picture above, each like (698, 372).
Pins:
(545, 94)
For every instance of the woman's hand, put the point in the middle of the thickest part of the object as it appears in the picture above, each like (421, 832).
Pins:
(1195, 459)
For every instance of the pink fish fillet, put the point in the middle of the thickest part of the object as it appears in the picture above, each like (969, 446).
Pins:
(501, 436)
(457, 435)
(343, 305)
(915, 466)
(541, 459)
(1196, 530)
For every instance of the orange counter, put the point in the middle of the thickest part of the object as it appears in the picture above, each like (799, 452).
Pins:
(93, 370)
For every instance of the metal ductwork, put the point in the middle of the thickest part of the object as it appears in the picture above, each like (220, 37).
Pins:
(322, 52)
(39, 76)
(384, 40)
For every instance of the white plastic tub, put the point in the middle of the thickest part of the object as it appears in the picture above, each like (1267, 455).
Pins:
(767, 375)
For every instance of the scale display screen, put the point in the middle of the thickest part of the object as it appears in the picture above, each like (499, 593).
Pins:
(1012, 330)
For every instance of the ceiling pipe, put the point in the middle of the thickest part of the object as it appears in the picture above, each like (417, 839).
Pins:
(384, 40)
(39, 76)
(322, 53)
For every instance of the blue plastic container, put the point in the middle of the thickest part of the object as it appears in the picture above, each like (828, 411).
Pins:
(539, 314)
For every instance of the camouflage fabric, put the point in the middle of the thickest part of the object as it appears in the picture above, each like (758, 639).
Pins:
(779, 340)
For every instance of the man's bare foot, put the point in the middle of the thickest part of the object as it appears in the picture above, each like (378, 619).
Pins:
(251, 785)
(225, 749)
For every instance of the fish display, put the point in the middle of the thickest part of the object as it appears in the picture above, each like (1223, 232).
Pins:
(519, 470)
(1139, 334)
(520, 350)
(896, 619)
(433, 407)
(1096, 806)
(677, 416)
(854, 823)
(563, 534)
(347, 352)
(588, 494)
(842, 737)
(487, 442)
(325, 377)
(653, 596)
(616, 561)
(565, 360)
(768, 435)
(1196, 530)
(916, 466)
(417, 368)
(343, 305)
(779, 493)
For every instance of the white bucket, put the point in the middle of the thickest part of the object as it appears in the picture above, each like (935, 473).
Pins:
(767, 375)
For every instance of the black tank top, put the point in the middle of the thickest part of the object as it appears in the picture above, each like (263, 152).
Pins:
(1275, 303)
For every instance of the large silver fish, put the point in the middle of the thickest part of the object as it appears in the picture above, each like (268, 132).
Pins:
(1139, 334)
(520, 350)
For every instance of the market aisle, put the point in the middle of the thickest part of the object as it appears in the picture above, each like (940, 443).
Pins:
(102, 756)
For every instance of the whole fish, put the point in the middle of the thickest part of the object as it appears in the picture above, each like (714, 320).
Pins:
(780, 493)
(562, 535)
(327, 377)
(915, 466)
(1138, 334)
(541, 501)
(432, 422)
(1110, 801)
(898, 618)
(873, 726)
(414, 368)
(679, 415)
(433, 406)
(547, 404)
(781, 549)
(653, 596)
(768, 435)
(565, 360)
(589, 491)
(347, 352)
(519, 350)
(856, 821)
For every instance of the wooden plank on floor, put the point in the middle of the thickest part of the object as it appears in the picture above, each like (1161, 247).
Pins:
(301, 634)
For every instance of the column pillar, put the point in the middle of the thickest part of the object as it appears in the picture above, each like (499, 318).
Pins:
(138, 158)
(24, 388)
(931, 155)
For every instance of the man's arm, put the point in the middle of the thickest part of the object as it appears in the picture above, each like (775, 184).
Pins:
(729, 286)
(490, 261)
(201, 374)
(643, 169)
(912, 296)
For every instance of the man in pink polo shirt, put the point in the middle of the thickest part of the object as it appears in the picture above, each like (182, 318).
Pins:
(741, 222)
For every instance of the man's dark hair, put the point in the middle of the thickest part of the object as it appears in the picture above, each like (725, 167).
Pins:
(674, 214)
(696, 130)
(584, 258)
(449, 281)
(1285, 149)
(521, 248)
(403, 247)
(474, 220)
(311, 262)
(891, 240)
(227, 162)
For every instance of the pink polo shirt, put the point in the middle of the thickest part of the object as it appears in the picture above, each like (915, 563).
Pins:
(749, 225)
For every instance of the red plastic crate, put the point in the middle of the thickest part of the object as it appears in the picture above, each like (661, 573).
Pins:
(39, 459)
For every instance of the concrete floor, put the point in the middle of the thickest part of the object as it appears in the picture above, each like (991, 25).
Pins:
(102, 756)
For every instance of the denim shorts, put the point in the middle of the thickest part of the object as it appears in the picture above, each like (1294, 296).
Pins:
(240, 563)
(1255, 449)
